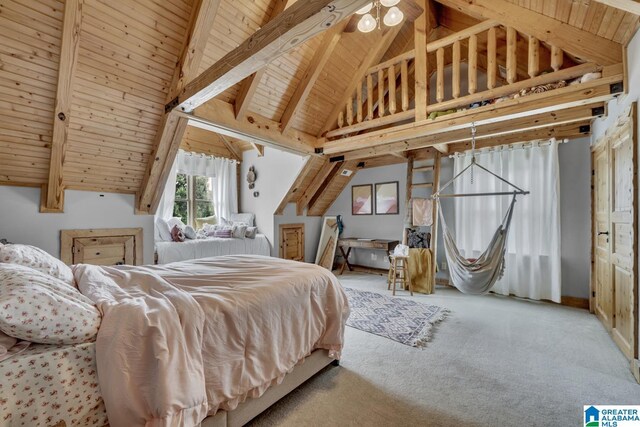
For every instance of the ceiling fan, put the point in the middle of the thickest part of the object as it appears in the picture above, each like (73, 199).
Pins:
(369, 17)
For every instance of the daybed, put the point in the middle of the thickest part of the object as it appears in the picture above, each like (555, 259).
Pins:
(177, 343)
(204, 243)
(204, 248)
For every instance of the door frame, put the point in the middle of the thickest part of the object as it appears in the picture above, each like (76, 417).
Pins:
(627, 118)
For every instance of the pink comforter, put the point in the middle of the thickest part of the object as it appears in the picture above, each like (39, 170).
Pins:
(179, 342)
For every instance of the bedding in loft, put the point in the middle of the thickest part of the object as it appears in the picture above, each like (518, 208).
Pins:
(235, 325)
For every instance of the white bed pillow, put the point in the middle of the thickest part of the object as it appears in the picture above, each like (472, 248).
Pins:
(247, 218)
(36, 258)
(163, 232)
(176, 221)
(39, 308)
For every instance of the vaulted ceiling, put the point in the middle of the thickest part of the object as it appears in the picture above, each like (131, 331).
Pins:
(84, 93)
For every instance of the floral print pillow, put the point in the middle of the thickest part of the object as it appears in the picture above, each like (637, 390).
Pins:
(36, 258)
(40, 308)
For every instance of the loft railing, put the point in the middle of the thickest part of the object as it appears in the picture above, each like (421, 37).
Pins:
(385, 93)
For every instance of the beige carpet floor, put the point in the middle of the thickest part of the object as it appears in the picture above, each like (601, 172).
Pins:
(495, 361)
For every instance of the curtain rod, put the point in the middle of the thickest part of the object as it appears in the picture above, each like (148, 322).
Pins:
(513, 146)
(205, 156)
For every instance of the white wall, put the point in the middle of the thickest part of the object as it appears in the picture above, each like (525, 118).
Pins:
(372, 226)
(21, 221)
(275, 172)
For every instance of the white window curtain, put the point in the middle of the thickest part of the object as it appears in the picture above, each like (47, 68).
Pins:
(221, 171)
(533, 250)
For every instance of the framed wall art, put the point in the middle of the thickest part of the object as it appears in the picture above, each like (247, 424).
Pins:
(362, 199)
(387, 198)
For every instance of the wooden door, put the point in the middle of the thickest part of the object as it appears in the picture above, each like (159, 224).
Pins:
(104, 250)
(623, 167)
(292, 241)
(602, 291)
(615, 265)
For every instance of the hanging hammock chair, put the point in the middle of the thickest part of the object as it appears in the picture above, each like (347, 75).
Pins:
(477, 276)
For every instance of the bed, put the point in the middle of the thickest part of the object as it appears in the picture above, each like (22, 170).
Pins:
(223, 338)
(204, 248)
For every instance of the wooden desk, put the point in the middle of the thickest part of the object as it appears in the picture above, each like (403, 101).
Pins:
(354, 242)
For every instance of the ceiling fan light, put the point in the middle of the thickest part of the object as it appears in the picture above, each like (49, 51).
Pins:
(389, 3)
(393, 17)
(367, 23)
(365, 9)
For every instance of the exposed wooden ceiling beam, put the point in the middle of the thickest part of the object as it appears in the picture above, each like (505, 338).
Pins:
(218, 116)
(259, 148)
(294, 26)
(421, 74)
(583, 44)
(249, 85)
(172, 127)
(326, 170)
(486, 130)
(54, 200)
(443, 148)
(307, 171)
(329, 43)
(331, 189)
(564, 131)
(567, 97)
(237, 154)
(630, 6)
(372, 58)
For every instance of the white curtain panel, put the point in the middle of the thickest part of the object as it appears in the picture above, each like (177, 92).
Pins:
(221, 171)
(533, 250)
(225, 188)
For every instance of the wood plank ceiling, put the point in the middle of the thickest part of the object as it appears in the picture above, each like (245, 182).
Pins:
(126, 59)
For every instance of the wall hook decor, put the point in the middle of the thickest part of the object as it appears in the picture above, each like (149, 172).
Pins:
(251, 177)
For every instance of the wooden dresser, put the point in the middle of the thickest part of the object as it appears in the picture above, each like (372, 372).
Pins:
(108, 246)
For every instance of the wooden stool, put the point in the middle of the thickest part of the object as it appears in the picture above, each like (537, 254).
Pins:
(399, 272)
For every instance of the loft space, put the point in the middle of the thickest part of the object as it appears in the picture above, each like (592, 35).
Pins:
(96, 99)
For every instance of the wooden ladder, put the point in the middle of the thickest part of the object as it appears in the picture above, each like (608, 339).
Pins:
(434, 184)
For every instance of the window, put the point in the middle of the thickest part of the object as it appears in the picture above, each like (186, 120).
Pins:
(194, 198)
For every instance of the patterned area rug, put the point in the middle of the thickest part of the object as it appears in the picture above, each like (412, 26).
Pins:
(402, 320)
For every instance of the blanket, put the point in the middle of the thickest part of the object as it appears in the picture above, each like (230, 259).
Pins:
(181, 341)
(420, 270)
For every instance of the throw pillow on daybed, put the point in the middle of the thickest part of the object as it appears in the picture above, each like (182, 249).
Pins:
(239, 231)
(36, 258)
(39, 308)
(189, 232)
(223, 233)
(251, 232)
(200, 222)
